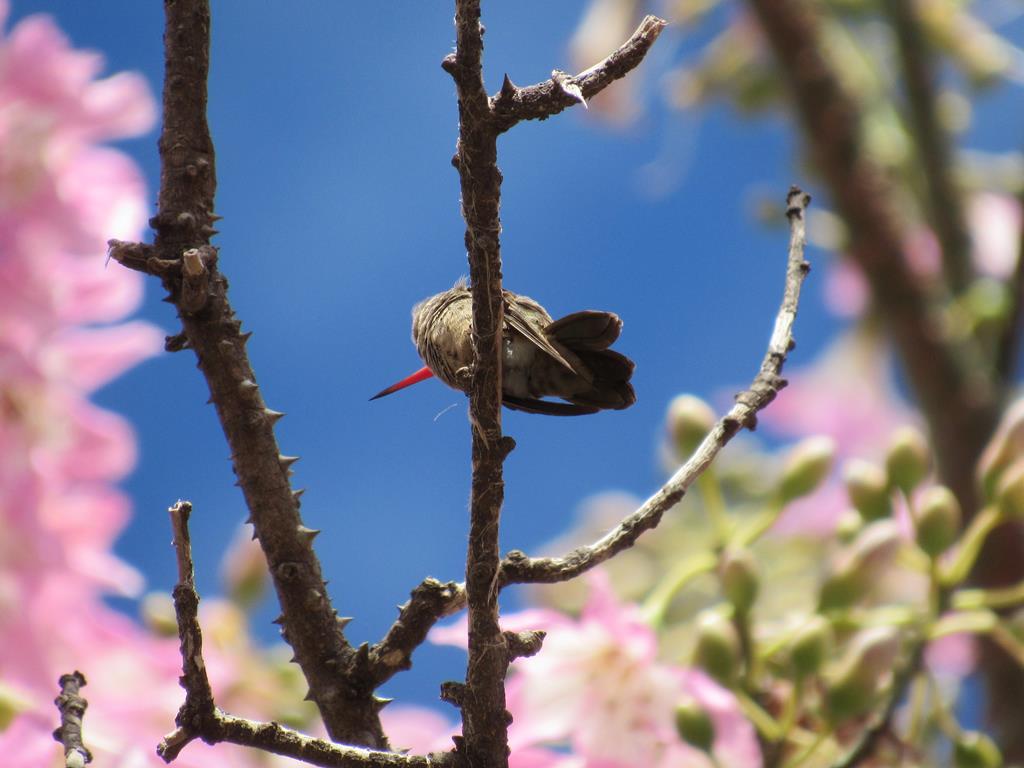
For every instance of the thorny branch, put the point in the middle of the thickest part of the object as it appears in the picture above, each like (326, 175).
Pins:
(72, 705)
(481, 120)
(200, 718)
(484, 719)
(188, 266)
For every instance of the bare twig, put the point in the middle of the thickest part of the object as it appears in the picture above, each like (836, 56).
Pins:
(72, 705)
(187, 264)
(517, 568)
(199, 718)
(541, 101)
(945, 207)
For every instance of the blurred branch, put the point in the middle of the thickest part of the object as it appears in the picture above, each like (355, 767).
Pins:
(1009, 339)
(958, 389)
(541, 101)
(518, 568)
(945, 207)
(200, 718)
(187, 264)
(954, 386)
(72, 706)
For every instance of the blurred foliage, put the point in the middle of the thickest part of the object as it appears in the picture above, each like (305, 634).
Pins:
(824, 634)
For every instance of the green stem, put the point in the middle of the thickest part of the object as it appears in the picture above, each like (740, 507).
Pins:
(801, 757)
(1004, 597)
(710, 490)
(657, 603)
(756, 528)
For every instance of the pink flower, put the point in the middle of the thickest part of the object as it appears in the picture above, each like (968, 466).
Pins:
(61, 198)
(995, 222)
(598, 685)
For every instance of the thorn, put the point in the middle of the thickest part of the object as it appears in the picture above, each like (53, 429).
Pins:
(248, 386)
(508, 88)
(343, 621)
(363, 656)
(448, 64)
(272, 415)
(287, 461)
(248, 520)
(246, 336)
(308, 533)
(279, 620)
(379, 702)
(254, 536)
(308, 696)
(297, 494)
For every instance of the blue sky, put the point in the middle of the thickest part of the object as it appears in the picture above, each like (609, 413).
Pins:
(334, 126)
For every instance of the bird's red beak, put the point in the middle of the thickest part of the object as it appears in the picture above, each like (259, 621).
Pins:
(420, 375)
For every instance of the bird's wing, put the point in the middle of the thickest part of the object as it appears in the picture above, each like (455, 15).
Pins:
(517, 321)
(546, 407)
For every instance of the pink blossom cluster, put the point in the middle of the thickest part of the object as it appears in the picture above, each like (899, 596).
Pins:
(62, 336)
(598, 690)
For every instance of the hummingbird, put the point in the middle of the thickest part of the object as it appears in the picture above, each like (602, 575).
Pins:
(567, 358)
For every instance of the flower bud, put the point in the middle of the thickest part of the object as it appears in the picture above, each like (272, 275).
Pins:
(244, 569)
(853, 685)
(158, 615)
(861, 565)
(694, 725)
(811, 646)
(876, 546)
(740, 580)
(689, 421)
(937, 521)
(1010, 491)
(807, 465)
(868, 489)
(849, 525)
(976, 750)
(1005, 446)
(718, 647)
(909, 459)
